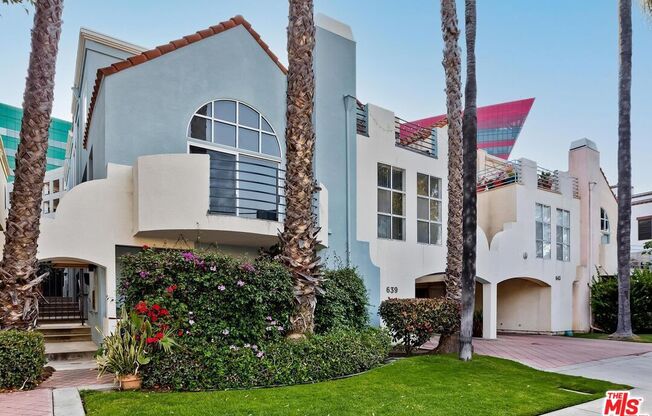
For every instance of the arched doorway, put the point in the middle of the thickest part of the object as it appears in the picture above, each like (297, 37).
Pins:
(523, 305)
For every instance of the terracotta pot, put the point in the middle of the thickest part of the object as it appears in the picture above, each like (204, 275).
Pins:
(130, 382)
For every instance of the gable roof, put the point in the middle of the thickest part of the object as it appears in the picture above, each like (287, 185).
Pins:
(169, 47)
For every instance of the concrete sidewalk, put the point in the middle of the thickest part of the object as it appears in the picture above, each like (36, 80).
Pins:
(633, 370)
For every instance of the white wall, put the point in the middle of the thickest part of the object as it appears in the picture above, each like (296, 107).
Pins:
(400, 262)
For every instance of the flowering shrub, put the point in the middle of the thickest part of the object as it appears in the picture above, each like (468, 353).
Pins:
(209, 296)
(133, 342)
(414, 321)
(202, 366)
(343, 304)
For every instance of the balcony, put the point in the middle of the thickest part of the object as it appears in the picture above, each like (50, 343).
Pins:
(497, 173)
(407, 135)
(225, 201)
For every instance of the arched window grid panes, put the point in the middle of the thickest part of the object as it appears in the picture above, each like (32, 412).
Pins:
(246, 178)
(236, 125)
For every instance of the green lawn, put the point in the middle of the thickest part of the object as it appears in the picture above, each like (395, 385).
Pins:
(424, 385)
(593, 335)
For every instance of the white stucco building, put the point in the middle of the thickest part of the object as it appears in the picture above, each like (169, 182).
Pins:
(182, 146)
(641, 227)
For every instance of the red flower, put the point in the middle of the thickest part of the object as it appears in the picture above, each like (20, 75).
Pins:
(164, 312)
(165, 327)
(154, 318)
(141, 307)
(151, 340)
(145, 247)
(156, 307)
(171, 288)
(159, 336)
(180, 332)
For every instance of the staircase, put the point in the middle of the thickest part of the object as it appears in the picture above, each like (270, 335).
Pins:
(67, 337)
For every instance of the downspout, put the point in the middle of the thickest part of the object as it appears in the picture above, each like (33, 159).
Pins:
(348, 100)
(591, 185)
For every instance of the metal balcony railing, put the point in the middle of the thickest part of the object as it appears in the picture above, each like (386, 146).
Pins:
(576, 188)
(498, 176)
(547, 180)
(361, 119)
(414, 137)
(250, 190)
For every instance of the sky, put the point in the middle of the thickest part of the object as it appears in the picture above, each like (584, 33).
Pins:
(562, 52)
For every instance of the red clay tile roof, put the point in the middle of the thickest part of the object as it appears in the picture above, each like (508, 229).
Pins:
(174, 45)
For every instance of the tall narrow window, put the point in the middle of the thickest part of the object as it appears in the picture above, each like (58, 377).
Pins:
(563, 235)
(644, 228)
(391, 202)
(604, 227)
(542, 224)
(428, 209)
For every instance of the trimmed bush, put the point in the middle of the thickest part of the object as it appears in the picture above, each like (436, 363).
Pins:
(343, 303)
(214, 297)
(604, 302)
(412, 322)
(22, 357)
(202, 366)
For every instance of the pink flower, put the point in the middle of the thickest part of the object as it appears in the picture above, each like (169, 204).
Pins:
(221, 288)
(213, 268)
(260, 354)
(280, 328)
(188, 256)
(143, 274)
(225, 332)
(248, 267)
(240, 283)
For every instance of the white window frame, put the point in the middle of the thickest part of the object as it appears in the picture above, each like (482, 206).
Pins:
(605, 227)
(391, 215)
(428, 197)
(217, 146)
(563, 245)
(543, 241)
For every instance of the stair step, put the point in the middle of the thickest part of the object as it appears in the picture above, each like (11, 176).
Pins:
(62, 331)
(69, 351)
(68, 338)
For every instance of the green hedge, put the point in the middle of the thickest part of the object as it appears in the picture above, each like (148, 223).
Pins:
(604, 302)
(412, 322)
(343, 304)
(22, 357)
(203, 366)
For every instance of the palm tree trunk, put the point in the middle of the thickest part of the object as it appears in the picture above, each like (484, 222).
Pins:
(624, 328)
(452, 69)
(470, 135)
(299, 237)
(19, 283)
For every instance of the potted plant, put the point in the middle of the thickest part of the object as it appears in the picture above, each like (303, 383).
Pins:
(129, 348)
(545, 180)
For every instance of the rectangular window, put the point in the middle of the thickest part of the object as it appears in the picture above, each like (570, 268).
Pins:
(391, 202)
(563, 235)
(428, 209)
(645, 228)
(542, 225)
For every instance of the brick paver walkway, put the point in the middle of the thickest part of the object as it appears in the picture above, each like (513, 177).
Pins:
(75, 378)
(546, 352)
(38, 402)
(26, 403)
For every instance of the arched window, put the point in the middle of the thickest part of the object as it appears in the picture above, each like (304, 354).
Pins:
(604, 226)
(245, 155)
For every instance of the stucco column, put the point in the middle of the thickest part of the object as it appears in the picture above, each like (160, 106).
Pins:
(489, 310)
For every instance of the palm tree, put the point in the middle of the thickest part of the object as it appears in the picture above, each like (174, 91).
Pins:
(452, 69)
(624, 328)
(470, 134)
(19, 282)
(299, 237)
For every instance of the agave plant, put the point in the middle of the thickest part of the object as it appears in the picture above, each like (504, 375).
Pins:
(129, 347)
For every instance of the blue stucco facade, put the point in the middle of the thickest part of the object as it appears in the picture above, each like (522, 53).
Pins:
(146, 109)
